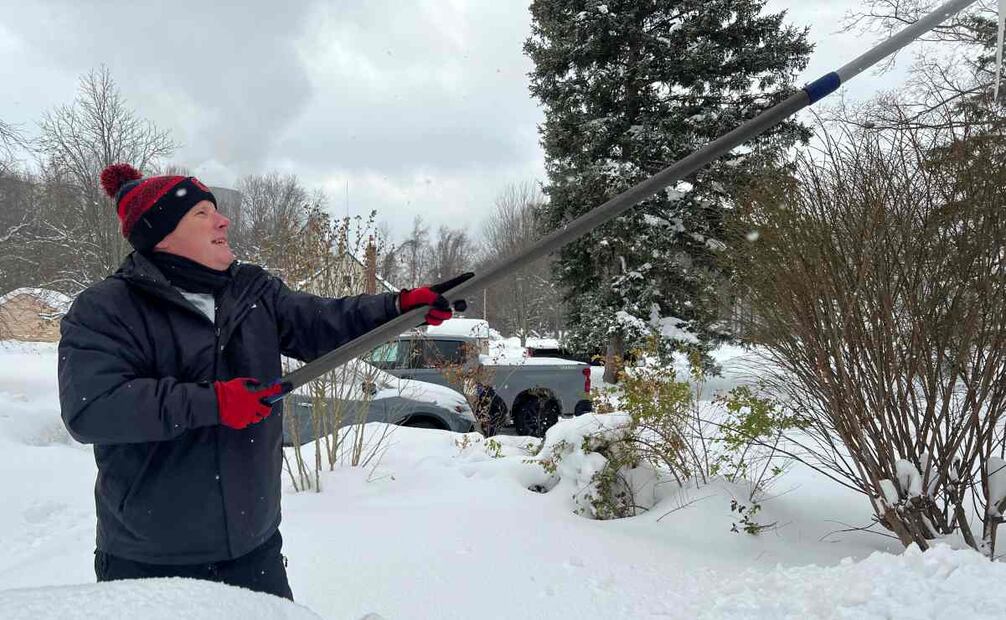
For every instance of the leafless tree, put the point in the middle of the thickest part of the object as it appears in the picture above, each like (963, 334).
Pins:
(527, 301)
(76, 142)
(19, 262)
(957, 67)
(12, 140)
(273, 211)
(878, 286)
(451, 253)
(388, 266)
(414, 253)
(887, 17)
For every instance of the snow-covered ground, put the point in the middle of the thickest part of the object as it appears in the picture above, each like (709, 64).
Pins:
(445, 527)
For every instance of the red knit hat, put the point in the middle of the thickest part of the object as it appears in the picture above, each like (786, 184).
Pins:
(149, 209)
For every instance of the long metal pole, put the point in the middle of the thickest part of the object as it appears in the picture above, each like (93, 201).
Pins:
(611, 209)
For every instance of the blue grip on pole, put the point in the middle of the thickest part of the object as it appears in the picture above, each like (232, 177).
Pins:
(822, 87)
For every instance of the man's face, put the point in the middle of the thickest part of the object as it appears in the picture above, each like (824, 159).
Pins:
(201, 236)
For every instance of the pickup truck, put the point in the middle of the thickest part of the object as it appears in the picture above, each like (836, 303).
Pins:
(504, 386)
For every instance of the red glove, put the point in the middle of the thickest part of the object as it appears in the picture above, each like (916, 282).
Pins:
(239, 405)
(440, 308)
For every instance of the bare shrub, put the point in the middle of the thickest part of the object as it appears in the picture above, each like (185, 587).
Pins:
(322, 259)
(75, 143)
(876, 277)
(528, 301)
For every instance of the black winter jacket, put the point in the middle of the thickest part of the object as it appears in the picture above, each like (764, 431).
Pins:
(136, 366)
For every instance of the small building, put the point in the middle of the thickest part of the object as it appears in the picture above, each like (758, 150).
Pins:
(32, 314)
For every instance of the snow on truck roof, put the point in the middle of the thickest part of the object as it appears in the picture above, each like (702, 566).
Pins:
(465, 328)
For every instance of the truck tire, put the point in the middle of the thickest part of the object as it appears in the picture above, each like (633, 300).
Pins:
(534, 416)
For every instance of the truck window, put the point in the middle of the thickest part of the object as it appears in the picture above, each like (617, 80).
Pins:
(439, 353)
(390, 355)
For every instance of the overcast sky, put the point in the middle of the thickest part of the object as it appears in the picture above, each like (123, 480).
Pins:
(419, 106)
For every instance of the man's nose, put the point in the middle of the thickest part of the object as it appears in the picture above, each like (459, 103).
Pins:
(223, 221)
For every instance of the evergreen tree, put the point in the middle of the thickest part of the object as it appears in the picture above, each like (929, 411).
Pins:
(629, 87)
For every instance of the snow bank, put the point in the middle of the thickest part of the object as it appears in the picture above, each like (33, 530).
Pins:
(150, 599)
(997, 483)
(28, 392)
(940, 583)
(31, 422)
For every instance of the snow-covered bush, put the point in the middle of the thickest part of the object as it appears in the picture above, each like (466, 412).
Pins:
(659, 432)
(591, 458)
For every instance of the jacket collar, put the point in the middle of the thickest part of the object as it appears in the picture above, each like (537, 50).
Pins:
(247, 283)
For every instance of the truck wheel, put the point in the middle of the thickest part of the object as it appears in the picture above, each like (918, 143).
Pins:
(535, 416)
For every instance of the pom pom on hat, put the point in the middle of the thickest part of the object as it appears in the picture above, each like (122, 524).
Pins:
(117, 175)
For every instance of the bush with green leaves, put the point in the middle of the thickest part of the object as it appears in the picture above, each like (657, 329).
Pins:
(680, 436)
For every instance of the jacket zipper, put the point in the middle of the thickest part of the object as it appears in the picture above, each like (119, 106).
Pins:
(220, 483)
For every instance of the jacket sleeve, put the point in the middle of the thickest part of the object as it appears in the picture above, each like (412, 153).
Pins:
(104, 397)
(310, 326)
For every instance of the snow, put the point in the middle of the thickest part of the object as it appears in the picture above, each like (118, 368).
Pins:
(444, 526)
(541, 343)
(516, 359)
(997, 482)
(941, 583)
(889, 491)
(548, 361)
(509, 352)
(630, 322)
(54, 299)
(152, 599)
(908, 477)
(471, 328)
(672, 327)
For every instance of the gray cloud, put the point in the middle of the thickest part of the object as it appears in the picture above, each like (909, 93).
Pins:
(225, 77)
(420, 106)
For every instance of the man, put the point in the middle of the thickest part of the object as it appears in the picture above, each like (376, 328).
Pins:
(162, 367)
